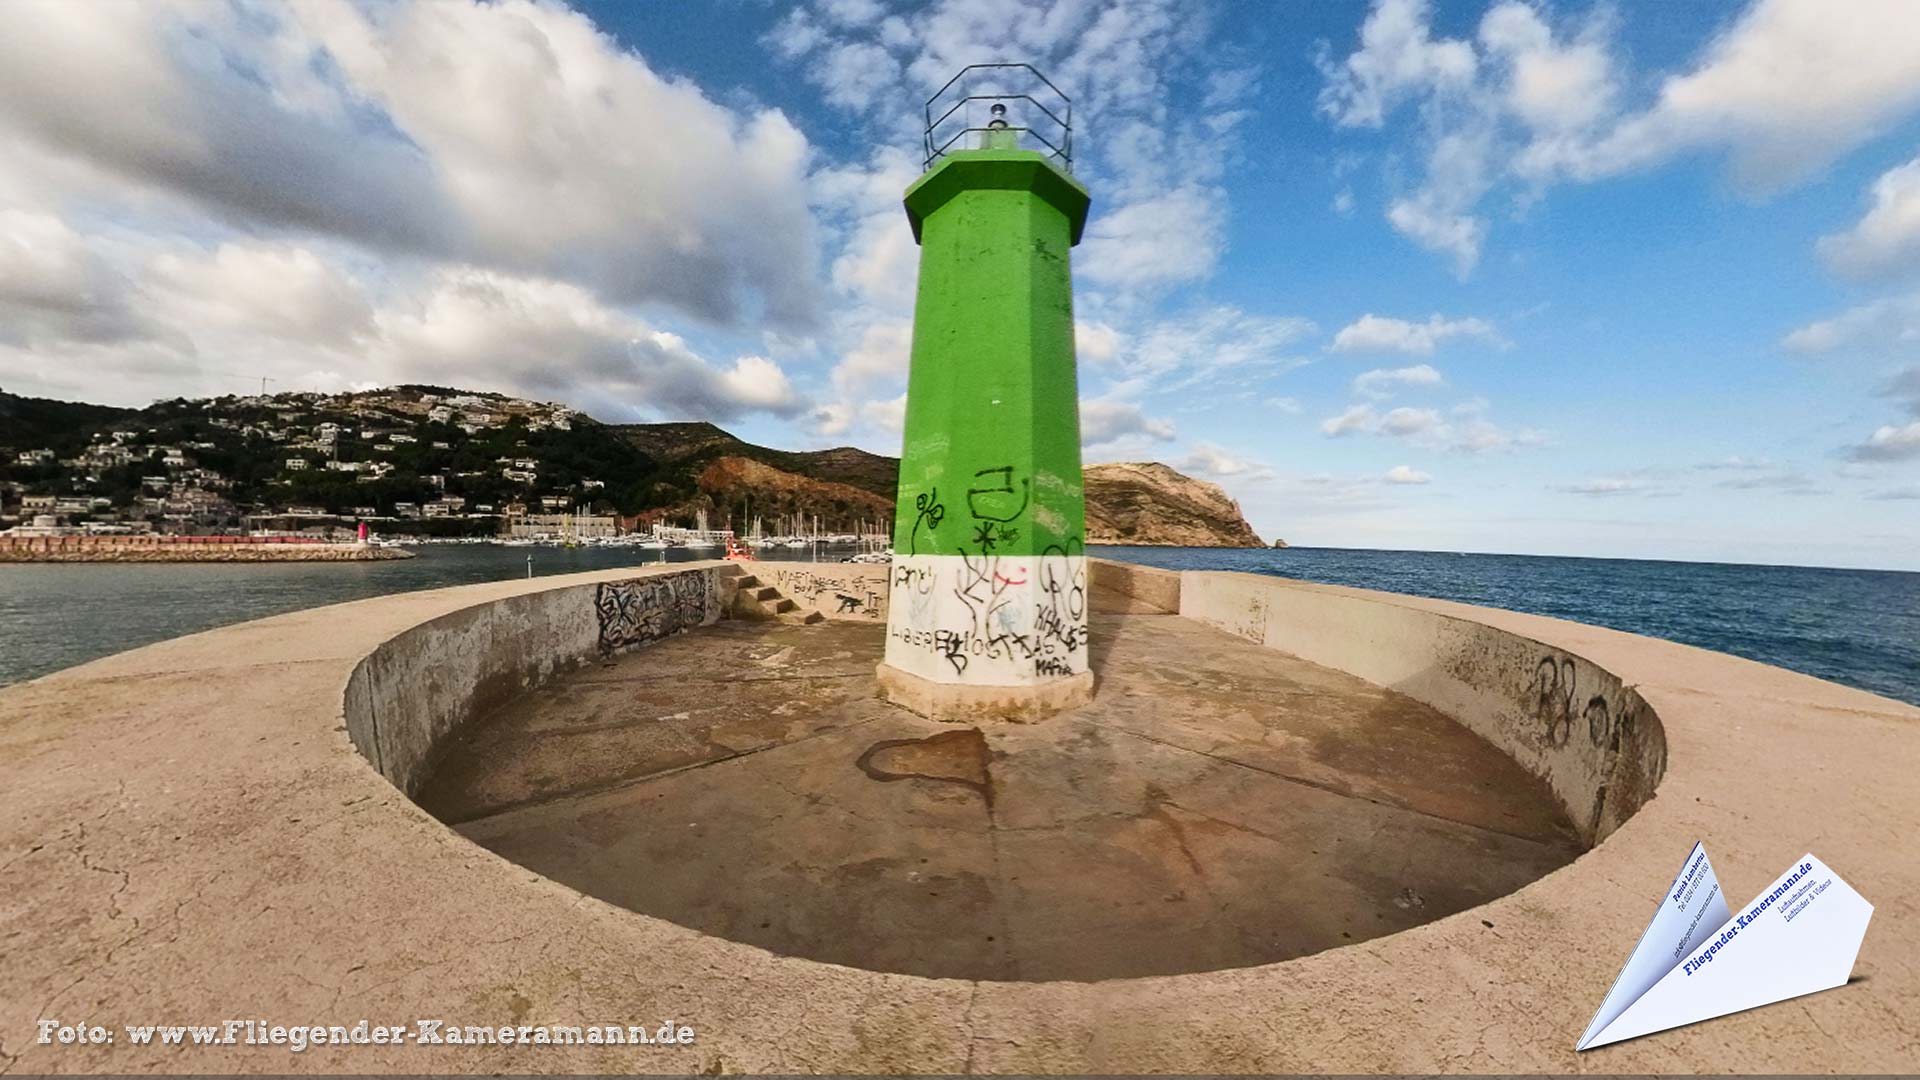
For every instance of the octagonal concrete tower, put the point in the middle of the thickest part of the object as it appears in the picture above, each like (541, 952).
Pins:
(989, 592)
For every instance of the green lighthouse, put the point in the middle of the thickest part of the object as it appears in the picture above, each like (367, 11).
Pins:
(988, 595)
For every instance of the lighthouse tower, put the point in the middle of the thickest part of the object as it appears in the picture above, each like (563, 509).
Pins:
(988, 600)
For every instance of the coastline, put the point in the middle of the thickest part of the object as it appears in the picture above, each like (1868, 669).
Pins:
(185, 549)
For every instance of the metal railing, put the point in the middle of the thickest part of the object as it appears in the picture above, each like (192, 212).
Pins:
(1049, 123)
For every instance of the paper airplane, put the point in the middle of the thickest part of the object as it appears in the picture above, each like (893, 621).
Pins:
(1697, 960)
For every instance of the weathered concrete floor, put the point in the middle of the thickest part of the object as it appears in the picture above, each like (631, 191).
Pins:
(1217, 805)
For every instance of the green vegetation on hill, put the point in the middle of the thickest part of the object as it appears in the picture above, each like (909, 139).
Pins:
(446, 461)
(395, 450)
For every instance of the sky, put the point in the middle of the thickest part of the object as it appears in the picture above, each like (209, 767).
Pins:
(1632, 280)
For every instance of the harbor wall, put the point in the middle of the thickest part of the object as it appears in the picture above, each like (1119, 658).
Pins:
(1565, 719)
(408, 694)
(127, 549)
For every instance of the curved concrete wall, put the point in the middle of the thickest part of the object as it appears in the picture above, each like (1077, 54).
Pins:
(406, 696)
(1594, 740)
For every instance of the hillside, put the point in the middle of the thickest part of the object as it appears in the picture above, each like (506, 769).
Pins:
(697, 443)
(446, 461)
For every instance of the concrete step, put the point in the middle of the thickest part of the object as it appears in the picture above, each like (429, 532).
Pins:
(746, 581)
(800, 617)
(763, 592)
(781, 605)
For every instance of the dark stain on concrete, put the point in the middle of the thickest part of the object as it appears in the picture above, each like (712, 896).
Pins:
(952, 757)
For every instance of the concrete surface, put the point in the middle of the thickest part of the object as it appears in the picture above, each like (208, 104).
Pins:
(1217, 805)
(187, 834)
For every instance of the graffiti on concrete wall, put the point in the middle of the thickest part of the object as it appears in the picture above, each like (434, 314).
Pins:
(1620, 734)
(643, 610)
(845, 593)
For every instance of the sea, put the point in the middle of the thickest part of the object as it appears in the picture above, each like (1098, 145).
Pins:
(1857, 627)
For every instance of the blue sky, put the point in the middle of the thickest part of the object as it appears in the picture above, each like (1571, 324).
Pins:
(1634, 280)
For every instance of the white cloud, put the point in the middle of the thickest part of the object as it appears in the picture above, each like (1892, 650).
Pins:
(1880, 324)
(1381, 382)
(1375, 333)
(1107, 422)
(1786, 89)
(1096, 342)
(1783, 90)
(1166, 239)
(1889, 443)
(1886, 241)
(1209, 344)
(1357, 419)
(879, 358)
(476, 326)
(1439, 215)
(1210, 459)
(1468, 430)
(1603, 486)
(56, 286)
(1410, 421)
(531, 147)
(1904, 387)
(1406, 474)
(1398, 58)
(1553, 87)
(273, 291)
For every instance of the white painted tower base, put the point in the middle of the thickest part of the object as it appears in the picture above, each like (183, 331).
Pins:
(971, 636)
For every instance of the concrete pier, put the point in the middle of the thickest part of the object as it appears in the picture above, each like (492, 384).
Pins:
(176, 549)
(219, 826)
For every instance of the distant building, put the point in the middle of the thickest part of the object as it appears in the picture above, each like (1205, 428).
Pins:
(35, 457)
(296, 464)
(42, 525)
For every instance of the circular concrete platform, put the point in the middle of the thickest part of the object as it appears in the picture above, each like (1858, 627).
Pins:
(1217, 805)
(218, 827)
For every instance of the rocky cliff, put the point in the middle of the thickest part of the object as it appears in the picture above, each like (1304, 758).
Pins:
(1136, 502)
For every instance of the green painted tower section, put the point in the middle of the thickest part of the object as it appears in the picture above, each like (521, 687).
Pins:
(991, 458)
(989, 592)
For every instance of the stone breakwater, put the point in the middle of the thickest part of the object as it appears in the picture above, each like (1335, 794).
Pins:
(131, 549)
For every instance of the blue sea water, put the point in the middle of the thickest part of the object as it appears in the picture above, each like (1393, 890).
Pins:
(1858, 627)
